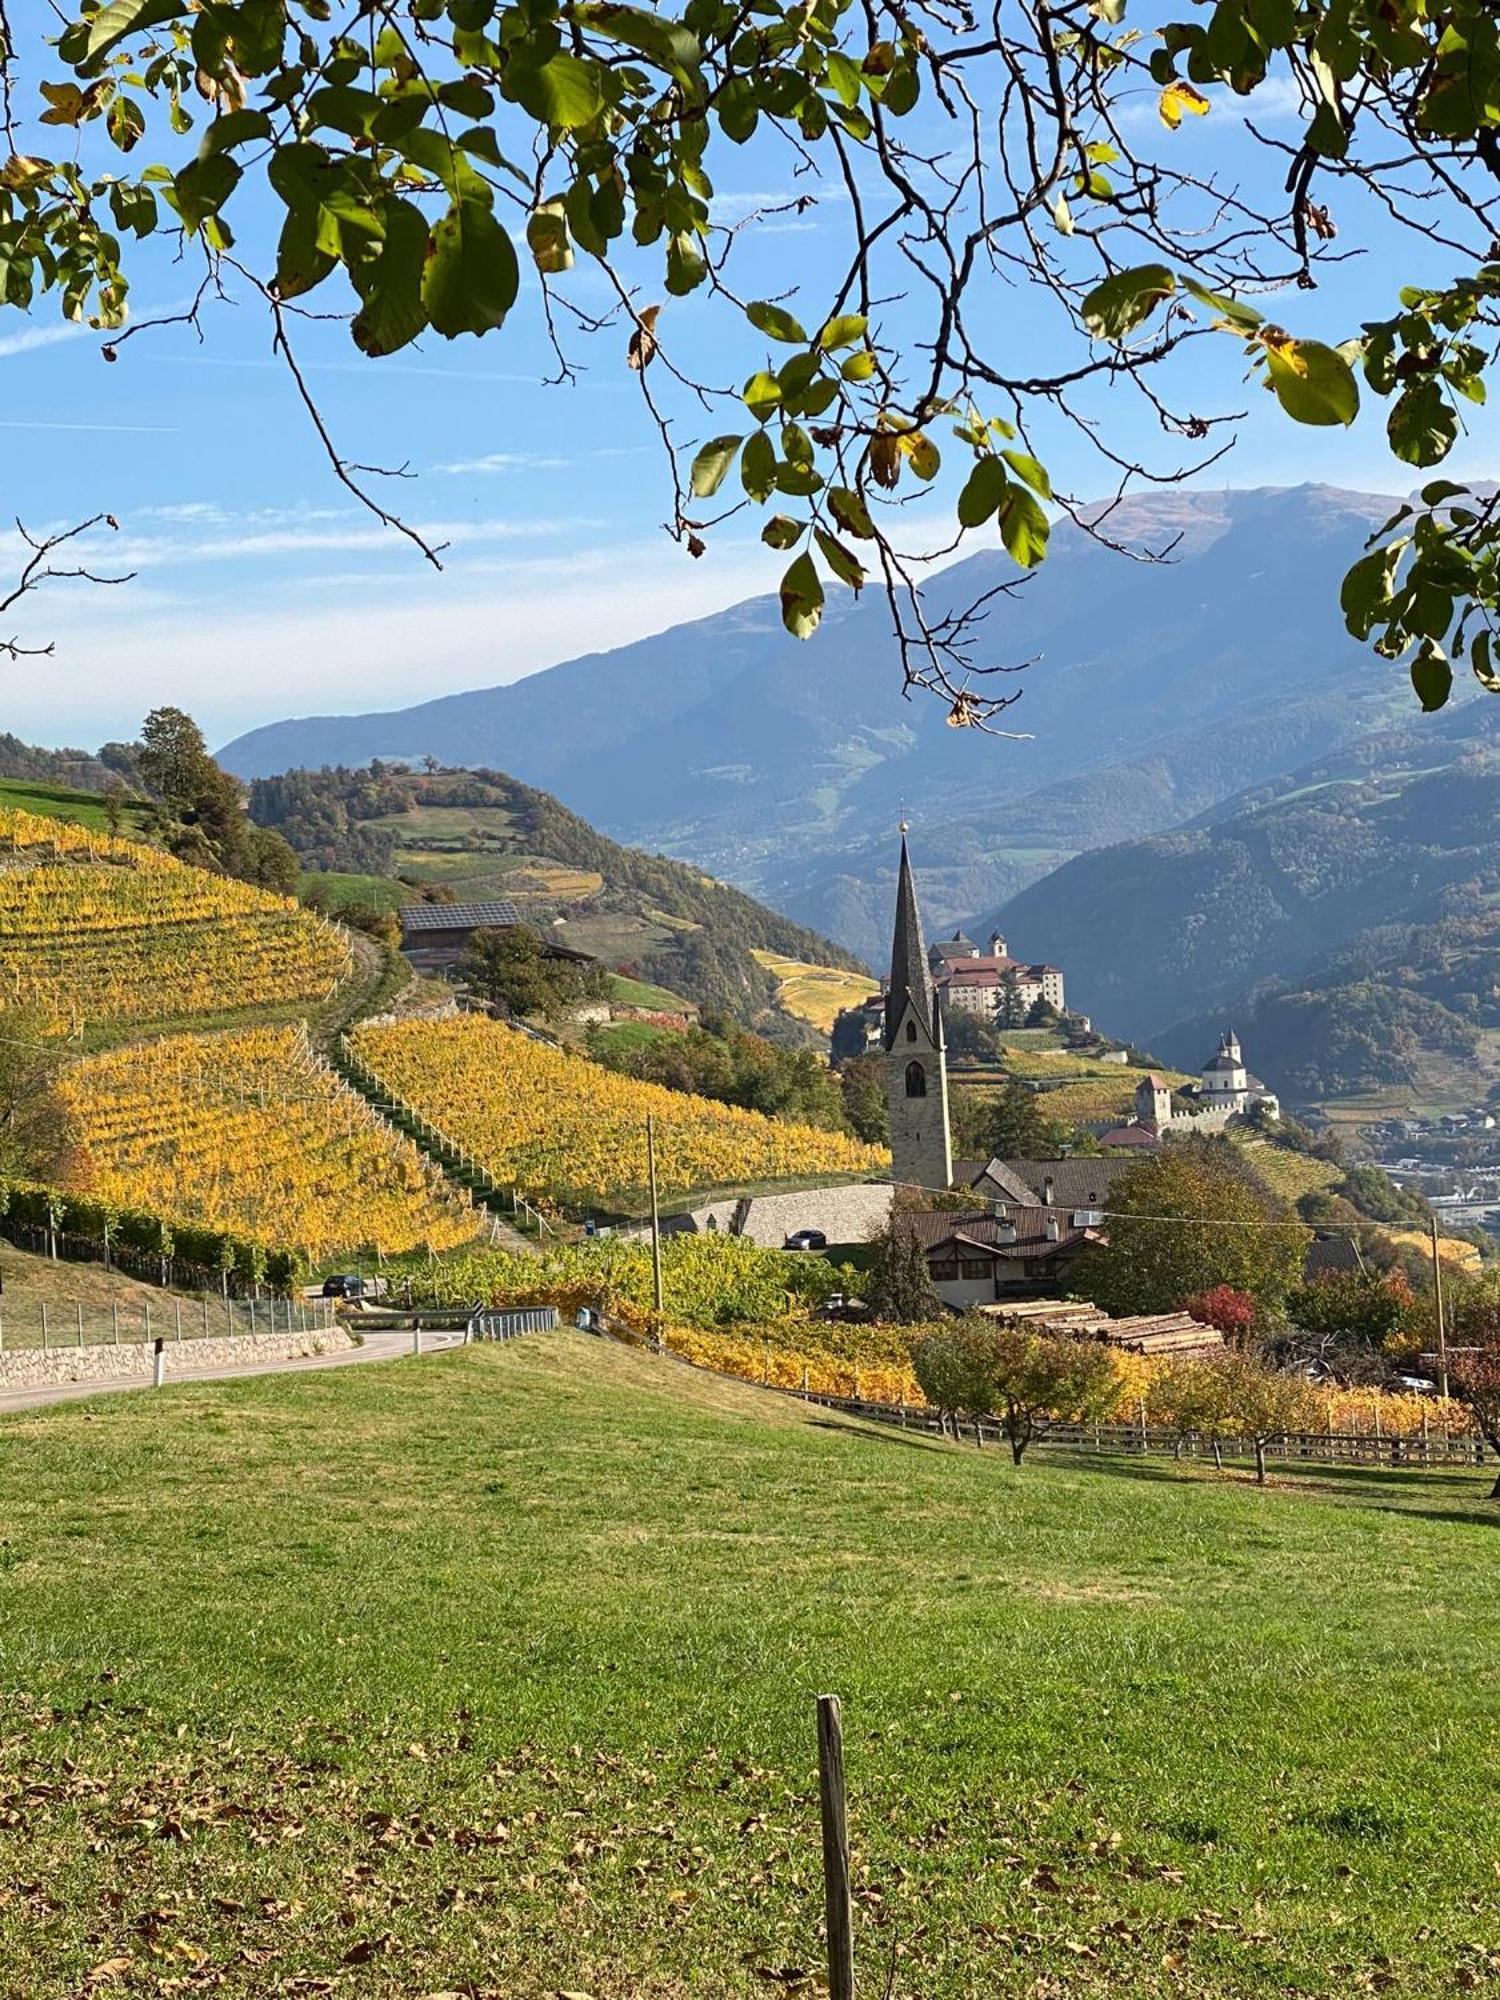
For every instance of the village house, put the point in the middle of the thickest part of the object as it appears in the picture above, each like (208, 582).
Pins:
(435, 937)
(979, 982)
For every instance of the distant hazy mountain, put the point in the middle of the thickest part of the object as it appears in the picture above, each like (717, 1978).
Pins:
(1348, 916)
(1158, 689)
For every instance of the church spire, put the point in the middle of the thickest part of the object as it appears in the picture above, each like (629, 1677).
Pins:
(911, 982)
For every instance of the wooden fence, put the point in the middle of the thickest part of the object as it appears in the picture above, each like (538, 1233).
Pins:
(1437, 1448)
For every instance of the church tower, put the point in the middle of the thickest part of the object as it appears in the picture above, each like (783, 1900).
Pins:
(916, 1064)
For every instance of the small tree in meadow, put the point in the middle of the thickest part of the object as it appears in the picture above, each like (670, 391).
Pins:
(1238, 1396)
(1028, 1380)
(1474, 1356)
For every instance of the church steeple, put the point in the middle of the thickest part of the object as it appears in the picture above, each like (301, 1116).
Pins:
(910, 989)
(916, 1065)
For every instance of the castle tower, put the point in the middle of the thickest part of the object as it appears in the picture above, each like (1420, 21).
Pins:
(1225, 1083)
(916, 1063)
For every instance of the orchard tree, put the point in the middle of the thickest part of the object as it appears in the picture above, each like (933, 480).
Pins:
(397, 163)
(1188, 1221)
(1234, 1394)
(1026, 1379)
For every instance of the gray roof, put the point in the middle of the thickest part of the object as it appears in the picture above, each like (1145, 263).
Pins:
(459, 916)
(1077, 1182)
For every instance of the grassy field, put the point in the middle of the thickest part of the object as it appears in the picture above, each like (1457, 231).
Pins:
(814, 993)
(64, 802)
(364, 892)
(625, 992)
(492, 1674)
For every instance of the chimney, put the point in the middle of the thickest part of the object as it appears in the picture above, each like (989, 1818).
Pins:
(1006, 1233)
(1054, 1229)
(1047, 1188)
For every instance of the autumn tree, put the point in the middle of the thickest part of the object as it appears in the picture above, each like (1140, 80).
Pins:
(398, 177)
(1184, 1222)
(38, 1140)
(1234, 1394)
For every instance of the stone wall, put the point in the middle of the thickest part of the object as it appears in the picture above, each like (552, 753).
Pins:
(30, 1368)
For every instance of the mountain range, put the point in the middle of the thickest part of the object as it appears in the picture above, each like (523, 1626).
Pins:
(1156, 689)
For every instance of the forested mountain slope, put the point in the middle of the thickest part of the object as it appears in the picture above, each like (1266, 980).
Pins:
(481, 834)
(1154, 691)
(1348, 917)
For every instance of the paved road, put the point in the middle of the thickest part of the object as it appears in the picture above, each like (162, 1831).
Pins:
(377, 1346)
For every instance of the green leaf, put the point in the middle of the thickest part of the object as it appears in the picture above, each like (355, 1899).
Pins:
(126, 122)
(547, 237)
(563, 93)
(1365, 593)
(1119, 305)
(711, 466)
(1024, 466)
(775, 322)
(472, 276)
(851, 513)
(859, 367)
(758, 466)
(842, 331)
(924, 456)
(1024, 528)
(128, 17)
(667, 41)
(1242, 317)
(761, 394)
(203, 186)
(390, 284)
(1314, 384)
(982, 492)
(686, 268)
(1431, 676)
(1484, 671)
(845, 565)
(801, 598)
(1422, 425)
(782, 532)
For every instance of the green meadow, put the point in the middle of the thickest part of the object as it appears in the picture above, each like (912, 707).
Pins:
(492, 1674)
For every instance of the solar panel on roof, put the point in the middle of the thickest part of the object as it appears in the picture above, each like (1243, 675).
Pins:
(459, 916)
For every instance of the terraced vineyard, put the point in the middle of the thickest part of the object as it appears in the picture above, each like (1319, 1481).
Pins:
(253, 1132)
(563, 1128)
(100, 931)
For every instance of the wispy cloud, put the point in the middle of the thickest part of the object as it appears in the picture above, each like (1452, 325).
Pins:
(47, 424)
(504, 461)
(39, 336)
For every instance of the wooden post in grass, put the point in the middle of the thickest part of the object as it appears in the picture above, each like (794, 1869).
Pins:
(837, 1907)
(78, 1308)
(1437, 1307)
(44, 1326)
(656, 1291)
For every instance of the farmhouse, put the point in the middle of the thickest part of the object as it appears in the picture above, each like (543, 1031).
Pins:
(979, 982)
(992, 1254)
(436, 936)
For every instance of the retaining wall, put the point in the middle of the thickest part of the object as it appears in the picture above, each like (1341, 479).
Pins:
(31, 1368)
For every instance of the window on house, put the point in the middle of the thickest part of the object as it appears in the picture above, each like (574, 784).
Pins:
(911, 1031)
(916, 1080)
(974, 1267)
(944, 1270)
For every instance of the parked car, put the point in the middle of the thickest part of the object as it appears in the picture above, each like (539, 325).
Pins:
(806, 1239)
(350, 1285)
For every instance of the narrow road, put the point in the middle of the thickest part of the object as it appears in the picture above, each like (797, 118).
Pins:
(384, 1346)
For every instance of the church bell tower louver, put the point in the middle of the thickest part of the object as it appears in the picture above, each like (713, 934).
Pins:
(916, 1063)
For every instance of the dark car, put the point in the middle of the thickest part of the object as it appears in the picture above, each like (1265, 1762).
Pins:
(347, 1285)
(806, 1239)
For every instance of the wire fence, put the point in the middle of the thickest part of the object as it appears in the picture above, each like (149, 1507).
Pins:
(54, 1324)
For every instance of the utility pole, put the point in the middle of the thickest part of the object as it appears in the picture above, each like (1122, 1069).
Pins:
(1437, 1302)
(655, 1225)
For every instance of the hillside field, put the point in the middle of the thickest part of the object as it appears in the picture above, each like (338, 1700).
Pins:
(493, 1674)
(814, 993)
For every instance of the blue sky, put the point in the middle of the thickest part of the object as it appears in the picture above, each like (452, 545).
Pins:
(262, 590)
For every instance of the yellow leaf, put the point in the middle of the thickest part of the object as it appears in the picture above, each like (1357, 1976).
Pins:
(66, 100)
(1178, 98)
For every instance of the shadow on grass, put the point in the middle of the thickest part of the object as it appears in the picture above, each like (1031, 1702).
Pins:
(1373, 1486)
(879, 1433)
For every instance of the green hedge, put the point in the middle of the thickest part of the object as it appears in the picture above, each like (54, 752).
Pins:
(234, 1257)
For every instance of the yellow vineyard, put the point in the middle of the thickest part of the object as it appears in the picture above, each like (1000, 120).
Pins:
(253, 1133)
(99, 930)
(814, 993)
(562, 1128)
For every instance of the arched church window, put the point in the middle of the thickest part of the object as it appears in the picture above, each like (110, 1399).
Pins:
(911, 1031)
(916, 1080)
